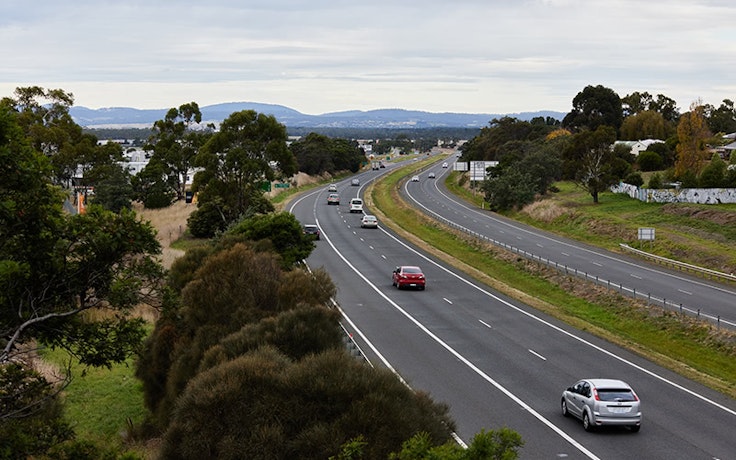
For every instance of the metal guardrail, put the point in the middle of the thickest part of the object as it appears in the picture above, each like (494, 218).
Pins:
(680, 265)
(619, 287)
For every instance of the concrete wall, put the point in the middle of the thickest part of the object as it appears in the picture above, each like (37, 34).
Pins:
(684, 195)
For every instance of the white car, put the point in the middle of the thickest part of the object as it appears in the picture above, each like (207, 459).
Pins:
(444, 165)
(430, 175)
(415, 178)
(332, 188)
(369, 221)
(356, 205)
(599, 402)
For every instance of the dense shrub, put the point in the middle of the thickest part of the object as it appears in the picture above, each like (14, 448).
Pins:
(634, 179)
(650, 161)
(262, 405)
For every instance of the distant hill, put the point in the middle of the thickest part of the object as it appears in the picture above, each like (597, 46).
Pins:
(117, 117)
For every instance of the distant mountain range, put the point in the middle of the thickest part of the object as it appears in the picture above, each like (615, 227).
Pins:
(118, 117)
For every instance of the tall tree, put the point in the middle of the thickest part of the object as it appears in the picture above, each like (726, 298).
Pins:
(249, 149)
(590, 162)
(647, 124)
(692, 131)
(44, 117)
(721, 119)
(54, 266)
(175, 142)
(595, 106)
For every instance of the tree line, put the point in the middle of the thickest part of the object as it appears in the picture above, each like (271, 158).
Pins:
(533, 154)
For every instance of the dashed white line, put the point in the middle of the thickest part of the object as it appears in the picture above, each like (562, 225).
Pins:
(597, 264)
(485, 324)
(565, 254)
(685, 292)
(538, 355)
(447, 300)
(635, 276)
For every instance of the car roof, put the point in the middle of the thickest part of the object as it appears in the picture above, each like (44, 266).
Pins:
(607, 383)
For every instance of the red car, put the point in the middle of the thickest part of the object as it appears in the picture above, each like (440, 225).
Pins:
(408, 276)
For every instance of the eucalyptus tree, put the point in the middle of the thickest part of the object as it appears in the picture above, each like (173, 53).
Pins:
(249, 150)
(175, 143)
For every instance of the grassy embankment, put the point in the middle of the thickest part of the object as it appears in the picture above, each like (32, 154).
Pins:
(691, 348)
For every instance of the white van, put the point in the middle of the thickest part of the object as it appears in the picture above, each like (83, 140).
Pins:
(356, 205)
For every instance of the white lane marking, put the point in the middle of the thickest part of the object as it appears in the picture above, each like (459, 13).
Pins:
(447, 300)
(597, 264)
(537, 355)
(565, 254)
(685, 292)
(635, 276)
(485, 324)
(383, 256)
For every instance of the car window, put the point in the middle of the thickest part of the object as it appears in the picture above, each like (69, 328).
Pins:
(585, 389)
(613, 394)
(411, 270)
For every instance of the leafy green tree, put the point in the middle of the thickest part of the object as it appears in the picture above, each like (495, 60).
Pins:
(489, 144)
(283, 231)
(692, 131)
(150, 187)
(31, 413)
(646, 125)
(250, 148)
(512, 189)
(635, 179)
(590, 162)
(665, 151)
(649, 160)
(721, 119)
(55, 267)
(655, 181)
(175, 143)
(113, 190)
(595, 106)
(43, 116)
(714, 174)
(317, 154)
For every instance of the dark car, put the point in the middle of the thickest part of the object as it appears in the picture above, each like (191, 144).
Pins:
(311, 230)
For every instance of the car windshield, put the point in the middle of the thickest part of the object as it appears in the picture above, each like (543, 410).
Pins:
(412, 270)
(615, 394)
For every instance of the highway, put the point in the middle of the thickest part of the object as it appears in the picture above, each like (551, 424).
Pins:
(497, 362)
(690, 294)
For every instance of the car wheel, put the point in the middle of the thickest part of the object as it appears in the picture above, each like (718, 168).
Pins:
(635, 428)
(586, 422)
(565, 412)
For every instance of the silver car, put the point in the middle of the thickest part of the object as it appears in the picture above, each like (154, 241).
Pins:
(599, 402)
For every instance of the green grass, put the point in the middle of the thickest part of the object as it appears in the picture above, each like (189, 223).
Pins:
(684, 345)
(99, 402)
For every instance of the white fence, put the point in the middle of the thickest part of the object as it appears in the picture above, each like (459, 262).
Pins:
(683, 195)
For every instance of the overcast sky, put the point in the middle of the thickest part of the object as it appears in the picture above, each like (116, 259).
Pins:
(318, 56)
